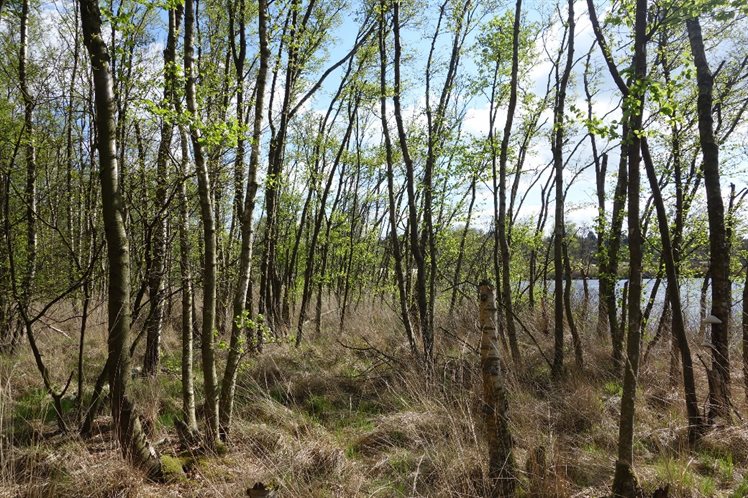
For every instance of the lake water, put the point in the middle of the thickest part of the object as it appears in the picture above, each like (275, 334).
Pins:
(690, 292)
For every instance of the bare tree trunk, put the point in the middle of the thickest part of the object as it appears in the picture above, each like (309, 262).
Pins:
(559, 232)
(82, 337)
(624, 481)
(601, 168)
(29, 271)
(6, 334)
(353, 228)
(317, 227)
(609, 276)
(576, 340)
(156, 274)
(393, 210)
(130, 433)
(501, 464)
(461, 251)
(501, 222)
(188, 389)
(416, 250)
(609, 266)
(702, 303)
(695, 423)
(268, 273)
(209, 231)
(228, 386)
(719, 256)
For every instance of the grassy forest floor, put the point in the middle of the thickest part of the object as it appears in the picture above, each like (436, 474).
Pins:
(351, 415)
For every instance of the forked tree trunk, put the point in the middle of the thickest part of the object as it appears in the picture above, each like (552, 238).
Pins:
(416, 250)
(559, 229)
(397, 254)
(228, 385)
(127, 425)
(501, 464)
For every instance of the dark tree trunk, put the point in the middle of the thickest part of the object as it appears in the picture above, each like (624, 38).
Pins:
(400, 277)
(745, 332)
(624, 481)
(609, 267)
(559, 232)
(501, 222)
(695, 423)
(416, 250)
(719, 256)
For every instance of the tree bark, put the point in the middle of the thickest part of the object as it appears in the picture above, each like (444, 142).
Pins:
(228, 386)
(501, 463)
(745, 332)
(609, 267)
(392, 207)
(461, 251)
(695, 423)
(719, 257)
(155, 277)
(207, 215)
(559, 229)
(127, 425)
(625, 483)
(501, 222)
(188, 389)
(416, 250)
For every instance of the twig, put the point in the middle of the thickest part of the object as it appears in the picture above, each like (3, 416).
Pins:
(527, 331)
(386, 357)
(462, 341)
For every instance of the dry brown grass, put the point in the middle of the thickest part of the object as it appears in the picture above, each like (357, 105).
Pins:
(330, 419)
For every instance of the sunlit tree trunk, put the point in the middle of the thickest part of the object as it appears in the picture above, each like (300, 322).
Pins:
(502, 466)
(209, 230)
(127, 425)
(228, 386)
(188, 389)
